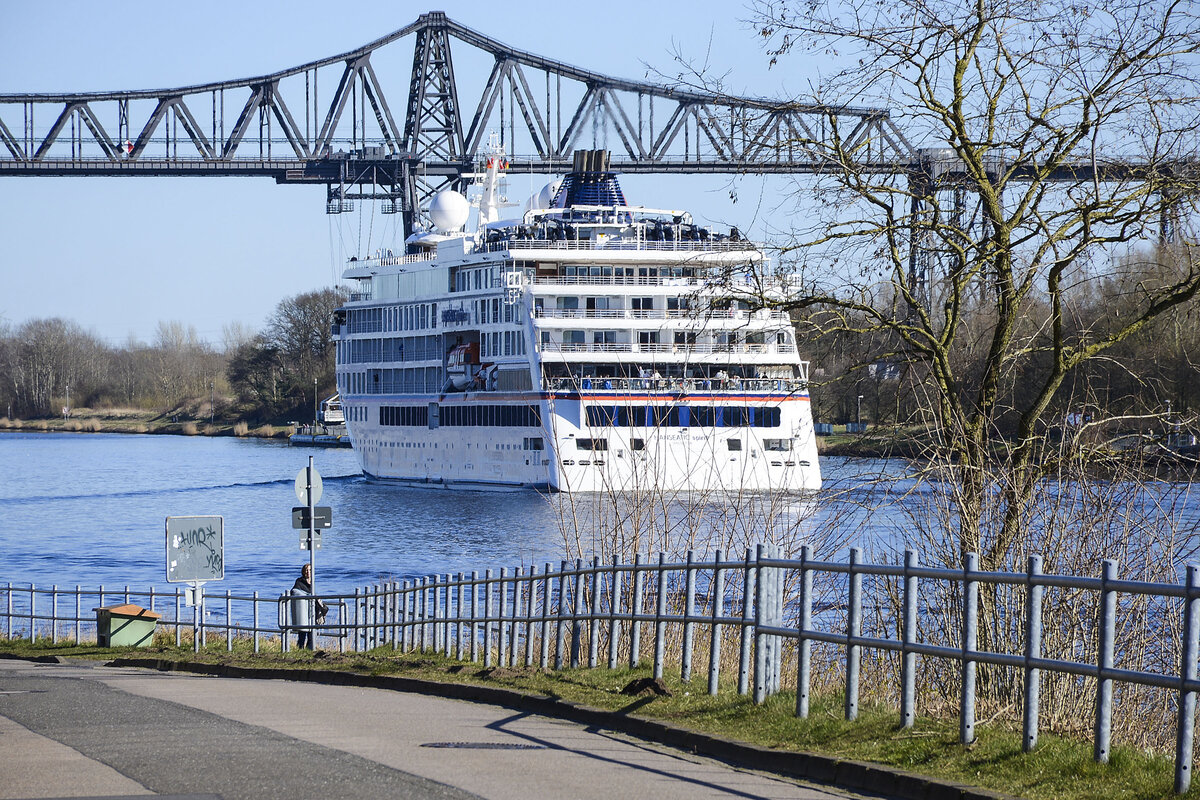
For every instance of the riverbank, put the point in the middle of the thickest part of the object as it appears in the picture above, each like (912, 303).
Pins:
(871, 753)
(126, 420)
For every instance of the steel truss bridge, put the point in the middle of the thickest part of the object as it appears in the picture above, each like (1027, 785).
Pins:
(335, 122)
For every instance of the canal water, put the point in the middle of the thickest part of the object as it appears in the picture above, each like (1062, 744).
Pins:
(90, 509)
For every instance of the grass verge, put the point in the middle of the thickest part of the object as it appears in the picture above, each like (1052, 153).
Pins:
(1060, 769)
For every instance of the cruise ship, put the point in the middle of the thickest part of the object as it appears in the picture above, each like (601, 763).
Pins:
(586, 345)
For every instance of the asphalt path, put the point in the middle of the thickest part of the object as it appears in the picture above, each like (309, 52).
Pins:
(76, 730)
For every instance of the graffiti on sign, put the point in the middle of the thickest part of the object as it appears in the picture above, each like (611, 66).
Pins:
(195, 549)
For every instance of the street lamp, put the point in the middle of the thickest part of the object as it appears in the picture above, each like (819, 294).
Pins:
(858, 411)
(314, 401)
(212, 399)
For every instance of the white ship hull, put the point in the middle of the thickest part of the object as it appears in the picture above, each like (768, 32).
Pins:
(633, 458)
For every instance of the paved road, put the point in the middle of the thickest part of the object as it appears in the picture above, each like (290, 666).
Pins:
(91, 731)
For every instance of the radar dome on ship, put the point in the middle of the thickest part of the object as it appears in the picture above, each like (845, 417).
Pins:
(543, 199)
(449, 211)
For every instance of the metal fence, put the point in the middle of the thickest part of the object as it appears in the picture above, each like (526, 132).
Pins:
(583, 613)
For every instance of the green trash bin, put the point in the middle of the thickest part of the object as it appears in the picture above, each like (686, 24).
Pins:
(125, 626)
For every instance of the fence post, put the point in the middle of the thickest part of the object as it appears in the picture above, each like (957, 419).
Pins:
(635, 627)
(530, 613)
(689, 608)
(594, 622)
(614, 608)
(402, 622)
(577, 614)
(357, 602)
(178, 630)
(803, 645)
(1033, 650)
(853, 630)
(908, 665)
(760, 639)
(517, 606)
(747, 620)
(501, 617)
(228, 621)
(718, 609)
(1104, 658)
(54, 614)
(10, 610)
(660, 625)
(459, 616)
(474, 615)
(561, 630)
(487, 618)
(447, 589)
(970, 635)
(78, 614)
(32, 614)
(1187, 674)
(544, 660)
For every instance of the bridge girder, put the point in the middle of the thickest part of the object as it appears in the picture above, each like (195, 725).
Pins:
(649, 127)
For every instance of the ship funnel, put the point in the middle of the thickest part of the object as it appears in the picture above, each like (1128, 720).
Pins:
(590, 183)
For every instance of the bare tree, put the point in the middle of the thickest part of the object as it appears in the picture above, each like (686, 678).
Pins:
(1053, 135)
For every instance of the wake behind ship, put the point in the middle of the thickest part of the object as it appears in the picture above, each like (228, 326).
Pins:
(588, 345)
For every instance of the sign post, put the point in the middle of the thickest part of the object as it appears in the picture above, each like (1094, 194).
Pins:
(195, 555)
(308, 491)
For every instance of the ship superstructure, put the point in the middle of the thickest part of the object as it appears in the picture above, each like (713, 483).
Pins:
(587, 345)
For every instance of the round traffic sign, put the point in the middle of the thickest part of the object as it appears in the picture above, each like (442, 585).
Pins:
(302, 482)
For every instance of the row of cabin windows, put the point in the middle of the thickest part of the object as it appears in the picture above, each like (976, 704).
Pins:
(491, 416)
(418, 380)
(598, 444)
(473, 279)
(720, 338)
(491, 311)
(502, 343)
(466, 416)
(568, 303)
(387, 319)
(391, 349)
(683, 416)
(568, 271)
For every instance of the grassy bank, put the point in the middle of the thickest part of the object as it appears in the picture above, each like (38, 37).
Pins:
(124, 420)
(1061, 768)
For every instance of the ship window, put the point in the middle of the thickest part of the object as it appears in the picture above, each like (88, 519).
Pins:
(734, 444)
(601, 416)
(534, 443)
(637, 444)
(591, 444)
(735, 416)
(777, 445)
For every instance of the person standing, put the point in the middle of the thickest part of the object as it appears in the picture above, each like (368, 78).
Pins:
(303, 607)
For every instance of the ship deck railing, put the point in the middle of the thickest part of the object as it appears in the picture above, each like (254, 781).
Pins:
(678, 385)
(669, 313)
(686, 245)
(655, 347)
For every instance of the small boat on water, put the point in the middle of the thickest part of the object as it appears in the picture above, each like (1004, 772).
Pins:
(328, 431)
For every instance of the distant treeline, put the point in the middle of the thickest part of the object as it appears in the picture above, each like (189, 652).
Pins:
(264, 376)
(860, 370)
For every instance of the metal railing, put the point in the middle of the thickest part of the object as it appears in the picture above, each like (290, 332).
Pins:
(579, 612)
(684, 350)
(661, 313)
(678, 385)
(677, 245)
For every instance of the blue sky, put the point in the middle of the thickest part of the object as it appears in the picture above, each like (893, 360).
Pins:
(119, 254)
